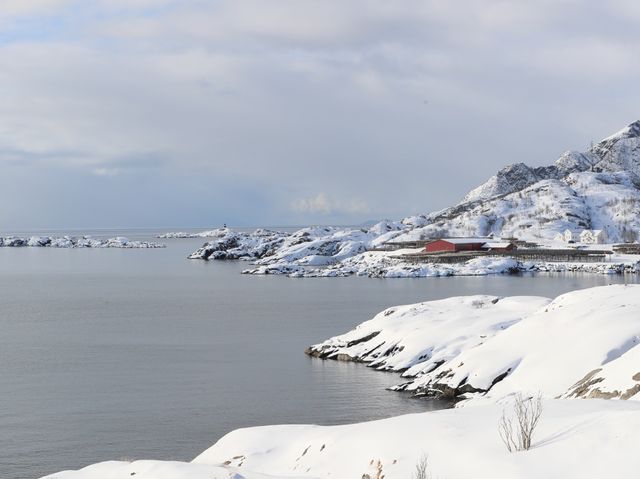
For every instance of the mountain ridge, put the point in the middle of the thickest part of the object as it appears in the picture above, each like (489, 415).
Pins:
(595, 189)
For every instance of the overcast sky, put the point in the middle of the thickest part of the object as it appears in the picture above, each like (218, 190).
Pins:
(117, 113)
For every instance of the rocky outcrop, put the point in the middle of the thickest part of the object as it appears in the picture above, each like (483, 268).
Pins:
(229, 244)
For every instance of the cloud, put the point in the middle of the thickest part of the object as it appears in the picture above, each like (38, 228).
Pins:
(404, 105)
(31, 7)
(322, 204)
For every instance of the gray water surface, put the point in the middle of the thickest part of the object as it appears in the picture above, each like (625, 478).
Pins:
(106, 354)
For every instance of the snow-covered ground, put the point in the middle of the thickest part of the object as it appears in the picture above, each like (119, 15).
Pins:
(74, 242)
(586, 439)
(388, 264)
(582, 344)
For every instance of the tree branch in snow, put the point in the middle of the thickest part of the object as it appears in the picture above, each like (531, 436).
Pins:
(516, 429)
(422, 468)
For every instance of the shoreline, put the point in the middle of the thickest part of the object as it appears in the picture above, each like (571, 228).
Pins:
(487, 350)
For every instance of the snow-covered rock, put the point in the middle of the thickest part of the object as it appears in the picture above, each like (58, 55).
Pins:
(487, 347)
(613, 380)
(509, 179)
(312, 246)
(75, 242)
(215, 233)
(427, 334)
(229, 244)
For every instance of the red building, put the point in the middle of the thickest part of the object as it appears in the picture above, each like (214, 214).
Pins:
(454, 245)
(498, 246)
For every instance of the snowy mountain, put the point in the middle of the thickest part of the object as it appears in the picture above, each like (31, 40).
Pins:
(597, 189)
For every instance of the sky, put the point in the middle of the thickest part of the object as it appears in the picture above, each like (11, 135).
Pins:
(193, 113)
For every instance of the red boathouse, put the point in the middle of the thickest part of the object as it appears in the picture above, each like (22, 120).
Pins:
(455, 245)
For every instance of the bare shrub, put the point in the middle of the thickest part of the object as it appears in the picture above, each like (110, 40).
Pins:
(422, 468)
(516, 429)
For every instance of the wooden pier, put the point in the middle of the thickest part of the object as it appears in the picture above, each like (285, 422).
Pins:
(524, 254)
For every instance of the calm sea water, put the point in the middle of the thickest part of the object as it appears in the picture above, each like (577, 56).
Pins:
(106, 354)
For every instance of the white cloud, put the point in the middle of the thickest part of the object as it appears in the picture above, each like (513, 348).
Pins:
(105, 171)
(31, 7)
(322, 204)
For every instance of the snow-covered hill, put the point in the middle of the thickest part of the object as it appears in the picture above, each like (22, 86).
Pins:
(596, 190)
(582, 344)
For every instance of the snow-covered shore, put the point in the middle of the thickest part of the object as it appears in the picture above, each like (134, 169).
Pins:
(388, 264)
(485, 349)
(586, 439)
(74, 242)
(329, 251)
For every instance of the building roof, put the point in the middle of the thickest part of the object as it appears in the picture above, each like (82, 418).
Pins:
(497, 244)
(462, 240)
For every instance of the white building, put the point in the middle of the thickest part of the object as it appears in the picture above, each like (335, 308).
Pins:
(593, 237)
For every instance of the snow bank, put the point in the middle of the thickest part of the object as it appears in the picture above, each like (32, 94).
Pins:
(479, 347)
(157, 470)
(587, 439)
(74, 242)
